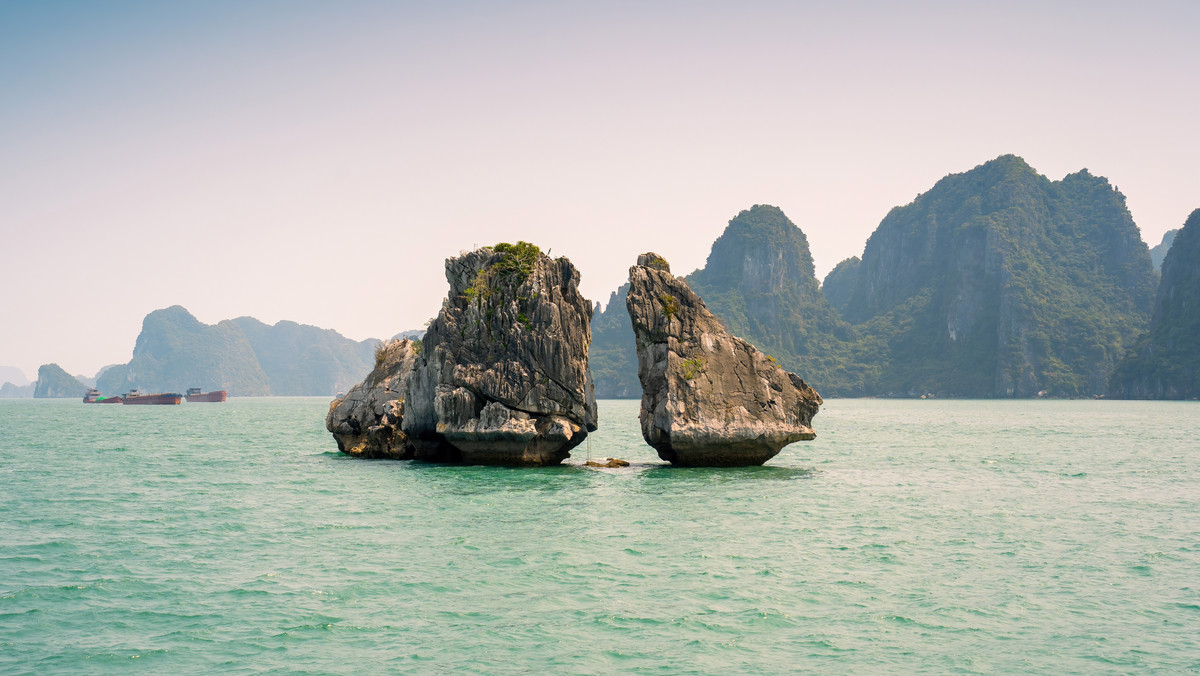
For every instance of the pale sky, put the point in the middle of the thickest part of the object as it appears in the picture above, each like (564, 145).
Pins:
(318, 161)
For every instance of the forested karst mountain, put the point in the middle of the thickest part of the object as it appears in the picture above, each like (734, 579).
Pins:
(1000, 282)
(759, 281)
(244, 356)
(839, 283)
(1165, 363)
(613, 354)
(997, 282)
(175, 351)
(55, 383)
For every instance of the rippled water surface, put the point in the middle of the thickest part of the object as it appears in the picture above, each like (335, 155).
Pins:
(936, 536)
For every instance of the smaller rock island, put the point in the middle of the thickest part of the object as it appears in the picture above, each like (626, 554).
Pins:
(366, 421)
(709, 399)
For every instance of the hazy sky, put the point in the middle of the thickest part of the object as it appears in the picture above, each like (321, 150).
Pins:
(319, 161)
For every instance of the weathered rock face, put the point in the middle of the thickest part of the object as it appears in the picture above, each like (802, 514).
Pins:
(366, 422)
(503, 377)
(708, 397)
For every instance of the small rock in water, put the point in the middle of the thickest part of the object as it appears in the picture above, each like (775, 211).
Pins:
(709, 399)
(611, 462)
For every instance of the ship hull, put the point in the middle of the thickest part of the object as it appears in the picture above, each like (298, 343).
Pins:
(104, 400)
(165, 399)
(208, 397)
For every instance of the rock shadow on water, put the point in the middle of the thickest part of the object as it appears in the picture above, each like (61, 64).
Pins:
(725, 475)
(487, 479)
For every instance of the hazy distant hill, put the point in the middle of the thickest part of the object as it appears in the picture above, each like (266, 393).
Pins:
(1165, 363)
(299, 359)
(14, 375)
(1158, 253)
(1000, 282)
(55, 383)
(10, 391)
(244, 356)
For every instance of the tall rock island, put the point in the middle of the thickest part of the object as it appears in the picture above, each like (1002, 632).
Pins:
(709, 399)
(1165, 363)
(55, 383)
(366, 422)
(998, 282)
(502, 377)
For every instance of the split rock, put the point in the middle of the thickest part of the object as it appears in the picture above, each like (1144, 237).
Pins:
(709, 399)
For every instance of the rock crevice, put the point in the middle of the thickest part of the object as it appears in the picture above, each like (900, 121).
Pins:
(503, 377)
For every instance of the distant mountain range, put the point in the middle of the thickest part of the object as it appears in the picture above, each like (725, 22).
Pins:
(244, 356)
(14, 375)
(997, 282)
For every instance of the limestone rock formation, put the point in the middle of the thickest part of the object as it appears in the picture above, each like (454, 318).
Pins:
(708, 397)
(55, 383)
(1165, 362)
(503, 378)
(998, 282)
(366, 421)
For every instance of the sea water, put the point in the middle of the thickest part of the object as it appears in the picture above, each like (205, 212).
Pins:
(911, 536)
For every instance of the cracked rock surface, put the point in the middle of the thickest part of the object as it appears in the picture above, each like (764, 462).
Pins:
(502, 377)
(366, 421)
(709, 399)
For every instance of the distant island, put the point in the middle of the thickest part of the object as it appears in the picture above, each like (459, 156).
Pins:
(244, 356)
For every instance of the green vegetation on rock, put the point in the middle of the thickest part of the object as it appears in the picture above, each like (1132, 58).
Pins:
(613, 353)
(55, 383)
(759, 280)
(1165, 362)
(997, 282)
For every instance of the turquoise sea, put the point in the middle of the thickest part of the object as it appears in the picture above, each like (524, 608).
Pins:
(1049, 537)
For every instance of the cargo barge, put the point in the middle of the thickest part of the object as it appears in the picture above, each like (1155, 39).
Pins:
(157, 399)
(93, 396)
(195, 395)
